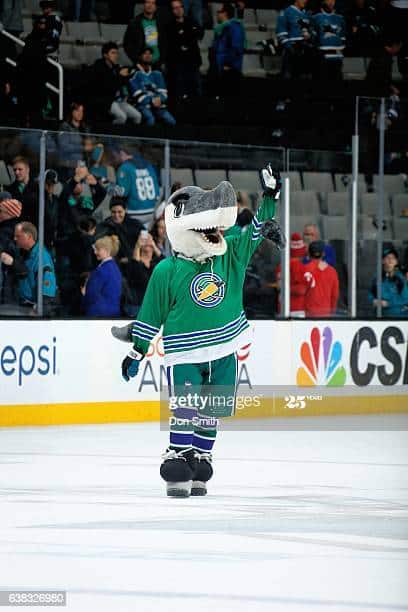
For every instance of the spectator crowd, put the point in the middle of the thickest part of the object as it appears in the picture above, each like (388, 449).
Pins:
(104, 232)
(164, 58)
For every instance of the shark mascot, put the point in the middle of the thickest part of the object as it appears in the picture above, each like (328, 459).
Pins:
(196, 297)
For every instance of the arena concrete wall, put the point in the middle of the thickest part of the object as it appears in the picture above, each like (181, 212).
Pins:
(60, 372)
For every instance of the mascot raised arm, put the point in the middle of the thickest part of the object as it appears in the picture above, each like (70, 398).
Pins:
(196, 297)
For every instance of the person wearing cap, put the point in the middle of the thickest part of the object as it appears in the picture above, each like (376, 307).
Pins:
(298, 251)
(25, 268)
(322, 283)
(394, 286)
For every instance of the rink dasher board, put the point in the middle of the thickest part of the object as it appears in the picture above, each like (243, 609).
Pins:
(65, 372)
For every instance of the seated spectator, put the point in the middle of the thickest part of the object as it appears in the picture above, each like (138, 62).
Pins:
(138, 183)
(394, 287)
(310, 234)
(330, 40)
(120, 224)
(25, 190)
(298, 287)
(75, 121)
(184, 58)
(139, 269)
(295, 35)
(103, 289)
(108, 87)
(226, 53)
(149, 29)
(159, 235)
(81, 195)
(322, 283)
(149, 91)
(25, 269)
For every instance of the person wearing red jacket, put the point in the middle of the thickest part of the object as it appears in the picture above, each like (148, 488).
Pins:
(322, 283)
(298, 286)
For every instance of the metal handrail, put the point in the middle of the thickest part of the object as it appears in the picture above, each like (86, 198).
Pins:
(57, 90)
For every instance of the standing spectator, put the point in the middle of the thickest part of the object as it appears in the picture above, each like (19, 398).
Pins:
(81, 10)
(147, 30)
(25, 268)
(51, 209)
(330, 30)
(295, 35)
(32, 74)
(97, 161)
(25, 189)
(108, 92)
(322, 283)
(363, 28)
(138, 184)
(184, 58)
(123, 226)
(102, 292)
(226, 53)
(394, 287)
(53, 25)
(298, 287)
(149, 91)
(310, 234)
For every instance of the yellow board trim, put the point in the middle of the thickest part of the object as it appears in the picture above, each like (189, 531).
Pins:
(148, 411)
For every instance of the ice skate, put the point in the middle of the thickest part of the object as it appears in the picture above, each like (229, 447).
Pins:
(202, 474)
(177, 471)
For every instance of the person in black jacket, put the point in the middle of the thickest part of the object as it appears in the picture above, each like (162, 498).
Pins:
(184, 58)
(32, 74)
(25, 190)
(149, 29)
(126, 228)
(108, 81)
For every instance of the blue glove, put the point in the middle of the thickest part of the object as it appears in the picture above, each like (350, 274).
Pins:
(271, 182)
(130, 364)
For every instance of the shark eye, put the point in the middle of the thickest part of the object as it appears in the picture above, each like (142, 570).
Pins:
(178, 209)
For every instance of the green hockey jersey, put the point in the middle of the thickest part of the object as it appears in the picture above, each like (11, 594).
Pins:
(200, 305)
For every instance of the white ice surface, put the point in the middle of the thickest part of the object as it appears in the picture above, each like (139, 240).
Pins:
(295, 521)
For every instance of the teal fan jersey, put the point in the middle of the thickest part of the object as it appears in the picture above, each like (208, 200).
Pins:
(200, 305)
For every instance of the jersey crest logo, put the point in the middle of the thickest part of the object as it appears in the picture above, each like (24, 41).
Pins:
(207, 289)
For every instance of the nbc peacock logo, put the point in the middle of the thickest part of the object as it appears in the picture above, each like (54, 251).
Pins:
(321, 360)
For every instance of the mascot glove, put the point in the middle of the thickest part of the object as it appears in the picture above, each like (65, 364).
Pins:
(271, 182)
(271, 230)
(130, 364)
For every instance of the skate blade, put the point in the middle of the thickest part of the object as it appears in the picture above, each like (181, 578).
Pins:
(179, 489)
(198, 489)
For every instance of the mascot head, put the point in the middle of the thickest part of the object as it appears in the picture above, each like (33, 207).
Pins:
(194, 218)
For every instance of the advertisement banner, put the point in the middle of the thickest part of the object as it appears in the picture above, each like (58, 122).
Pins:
(70, 371)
